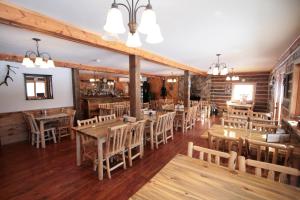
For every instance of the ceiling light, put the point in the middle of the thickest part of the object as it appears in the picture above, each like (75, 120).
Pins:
(42, 60)
(218, 68)
(232, 77)
(114, 22)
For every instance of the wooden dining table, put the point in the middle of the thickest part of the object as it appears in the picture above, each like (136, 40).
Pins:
(44, 119)
(189, 178)
(235, 133)
(99, 132)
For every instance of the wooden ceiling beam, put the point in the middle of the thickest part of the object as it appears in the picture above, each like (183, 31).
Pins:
(23, 18)
(16, 58)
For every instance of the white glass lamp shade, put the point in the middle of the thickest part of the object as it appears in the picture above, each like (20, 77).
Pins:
(215, 71)
(224, 71)
(38, 61)
(148, 21)
(114, 22)
(133, 40)
(92, 80)
(228, 78)
(44, 65)
(154, 35)
(237, 78)
(209, 71)
(27, 62)
(50, 63)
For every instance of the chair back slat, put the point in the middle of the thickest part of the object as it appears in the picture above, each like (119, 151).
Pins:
(86, 122)
(234, 124)
(116, 139)
(106, 118)
(33, 125)
(286, 150)
(170, 121)
(271, 169)
(161, 123)
(213, 153)
(225, 143)
(136, 133)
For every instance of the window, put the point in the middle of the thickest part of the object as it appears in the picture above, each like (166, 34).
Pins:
(243, 92)
(38, 86)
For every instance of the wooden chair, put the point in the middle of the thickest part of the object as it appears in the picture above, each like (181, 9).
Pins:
(107, 118)
(159, 130)
(146, 105)
(129, 119)
(225, 144)
(49, 133)
(168, 107)
(89, 144)
(265, 128)
(271, 169)
(234, 124)
(86, 122)
(135, 139)
(188, 123)
(265, 148)
(170, 126)
(194, 115)
(115, 144)
(259, 115)
(65, 124)
(27, 123)
(213, 153)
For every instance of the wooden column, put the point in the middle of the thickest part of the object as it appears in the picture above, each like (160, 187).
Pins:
(187, 87)
(76, 93)
(135, 86)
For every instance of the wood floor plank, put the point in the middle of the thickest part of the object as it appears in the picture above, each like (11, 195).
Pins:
(51, 173)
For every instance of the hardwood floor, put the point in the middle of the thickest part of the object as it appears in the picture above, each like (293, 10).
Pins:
(51, 173)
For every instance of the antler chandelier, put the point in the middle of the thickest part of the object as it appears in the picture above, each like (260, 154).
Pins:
(41, 59)
(114, 23)
(218, 68)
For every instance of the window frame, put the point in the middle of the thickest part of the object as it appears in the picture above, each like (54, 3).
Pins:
(48, 86)
(244, 83)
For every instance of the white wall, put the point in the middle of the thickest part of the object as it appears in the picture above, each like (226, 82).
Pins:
(12, 97)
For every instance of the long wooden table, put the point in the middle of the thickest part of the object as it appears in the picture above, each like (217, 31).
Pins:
(44, 119)
(99, 132)
(235, 133)
(188, 178)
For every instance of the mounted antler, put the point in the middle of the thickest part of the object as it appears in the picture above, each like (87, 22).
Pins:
(9, 69)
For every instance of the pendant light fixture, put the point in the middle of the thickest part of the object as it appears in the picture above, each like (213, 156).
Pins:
(232, 77)
(148, 26)
(218, 68)
(41, 59)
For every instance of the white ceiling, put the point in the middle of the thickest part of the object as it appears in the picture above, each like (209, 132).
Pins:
(251, 34)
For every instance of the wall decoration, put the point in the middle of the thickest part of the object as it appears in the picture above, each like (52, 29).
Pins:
(8, 75)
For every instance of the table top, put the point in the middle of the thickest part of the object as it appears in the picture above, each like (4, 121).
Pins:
(98, 130)
(239, 104)
(235, 133)
(188, 178)
(51, 116)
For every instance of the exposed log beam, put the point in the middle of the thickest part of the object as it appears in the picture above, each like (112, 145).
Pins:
(16, 58)
(20, 17)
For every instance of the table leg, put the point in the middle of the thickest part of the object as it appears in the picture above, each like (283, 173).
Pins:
(78, 149)
(100, 159)
(182, 123)
(42, 130)
(151, 134)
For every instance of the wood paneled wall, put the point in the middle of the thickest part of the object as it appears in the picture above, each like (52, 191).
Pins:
(13, 128)
(156, 84)
(221, 90)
